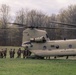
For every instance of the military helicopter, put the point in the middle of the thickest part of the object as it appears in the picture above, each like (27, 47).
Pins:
(38, 42)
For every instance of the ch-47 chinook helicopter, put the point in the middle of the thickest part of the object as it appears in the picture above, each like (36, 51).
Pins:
(38, 42)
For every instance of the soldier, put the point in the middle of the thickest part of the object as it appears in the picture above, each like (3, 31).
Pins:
(5, 52)
(24, 53)
(1, 53)
(19, 53)
(28, 53)
(11, 53)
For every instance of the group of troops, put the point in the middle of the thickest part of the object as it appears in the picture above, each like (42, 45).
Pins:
(12, 52)
(3, 53)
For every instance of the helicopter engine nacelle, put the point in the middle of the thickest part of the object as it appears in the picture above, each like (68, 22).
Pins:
(38, 39)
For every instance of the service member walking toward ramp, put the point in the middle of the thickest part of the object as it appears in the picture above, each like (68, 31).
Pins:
(1, 53)
(5, 52)
(11, 53)
(19, 53)
(24, 53)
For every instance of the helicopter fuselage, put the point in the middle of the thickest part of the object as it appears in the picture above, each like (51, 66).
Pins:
(56, 48)
(50, 45)
(39, 44)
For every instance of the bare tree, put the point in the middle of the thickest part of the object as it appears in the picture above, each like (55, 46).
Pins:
(68, 16)
(35, 18)
(51, 32)
(4, 16)
(20, 17)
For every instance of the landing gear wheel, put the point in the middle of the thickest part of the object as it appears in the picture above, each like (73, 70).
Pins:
(39, 57)
(55, 57)
(66, 57)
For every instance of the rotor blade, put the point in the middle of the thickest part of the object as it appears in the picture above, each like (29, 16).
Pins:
(57, 28)
(12, 28)
(17, 24)
(41, 28)
(74, 25)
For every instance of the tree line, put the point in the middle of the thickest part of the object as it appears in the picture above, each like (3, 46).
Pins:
(13, 36)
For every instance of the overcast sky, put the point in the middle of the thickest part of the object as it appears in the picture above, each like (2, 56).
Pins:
(46, 6)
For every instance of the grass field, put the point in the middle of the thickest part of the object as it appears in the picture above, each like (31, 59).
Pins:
(37, 67)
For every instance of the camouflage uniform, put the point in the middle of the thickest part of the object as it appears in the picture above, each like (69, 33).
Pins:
(28, 53)
(19, 53)
(1, 53)
(11, 53)
(24, 53)
(5, 53)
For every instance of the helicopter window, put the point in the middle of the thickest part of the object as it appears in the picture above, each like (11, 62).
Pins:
(44, 47)
(57, 47)
(70, 46)
(52, 45)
